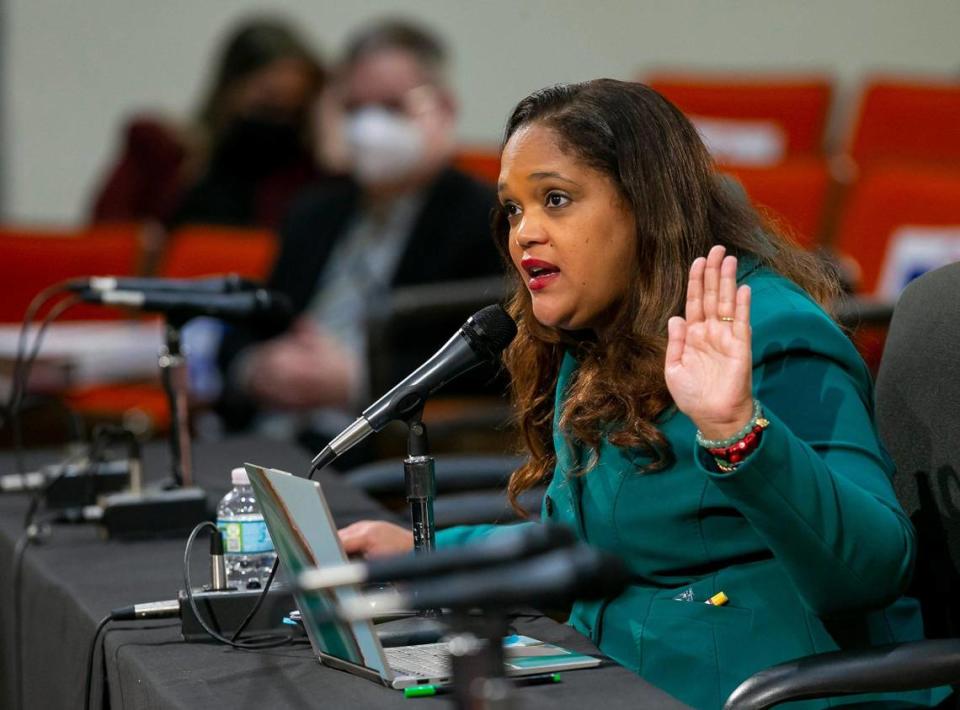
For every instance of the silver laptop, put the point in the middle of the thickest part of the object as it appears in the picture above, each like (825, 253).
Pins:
(304, 535)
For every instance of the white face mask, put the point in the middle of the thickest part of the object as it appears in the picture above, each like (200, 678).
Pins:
(384, 146)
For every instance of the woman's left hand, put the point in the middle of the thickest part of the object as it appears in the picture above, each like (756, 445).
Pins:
(709, 364)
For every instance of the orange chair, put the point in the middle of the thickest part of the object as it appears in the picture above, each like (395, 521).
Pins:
(201, 250)
(902, 120)
(32, 259)
(483, 164)
(890, 198)
(794, 193)
(794, 106)
(142, 405)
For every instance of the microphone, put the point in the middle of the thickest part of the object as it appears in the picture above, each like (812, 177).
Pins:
(228, 283)
(518, 544)
(485, 334)
(167, 609)
(259, 304)
(578, 572)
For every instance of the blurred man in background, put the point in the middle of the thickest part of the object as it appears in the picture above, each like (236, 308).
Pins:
(403, 217)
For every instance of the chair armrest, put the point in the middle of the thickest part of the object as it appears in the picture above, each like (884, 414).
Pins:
(854, 311)
(488, 507)
(454, 473)
(897, 667)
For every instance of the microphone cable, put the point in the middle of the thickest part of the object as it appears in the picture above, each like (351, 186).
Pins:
(266, 585)
(23, 362)
(262, 642)
(88, 682)
(254, 643)
(33, 531)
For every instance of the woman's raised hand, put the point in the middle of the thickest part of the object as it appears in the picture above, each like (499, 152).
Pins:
(708, 364)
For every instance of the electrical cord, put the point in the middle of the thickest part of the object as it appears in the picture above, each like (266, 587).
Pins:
(260, 599)
(254, 643)
(88, 683)
(273, 570)
(32, 533)
(32, 309)
(101, 434)
(22, 374)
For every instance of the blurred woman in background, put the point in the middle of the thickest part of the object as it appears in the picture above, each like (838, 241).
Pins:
(247, 151)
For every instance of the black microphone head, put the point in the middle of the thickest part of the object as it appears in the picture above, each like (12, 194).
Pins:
(489, 331)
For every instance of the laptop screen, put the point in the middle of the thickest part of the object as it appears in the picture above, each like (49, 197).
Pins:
(304, 535)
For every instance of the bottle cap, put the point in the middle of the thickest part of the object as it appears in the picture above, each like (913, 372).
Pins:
(239, 477)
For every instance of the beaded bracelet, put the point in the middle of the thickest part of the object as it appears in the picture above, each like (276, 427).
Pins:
(731, 452)
(720, 443)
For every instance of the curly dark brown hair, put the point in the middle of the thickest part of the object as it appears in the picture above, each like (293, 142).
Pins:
(682, 207)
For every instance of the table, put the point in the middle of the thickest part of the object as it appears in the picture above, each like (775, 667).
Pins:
(73, 579)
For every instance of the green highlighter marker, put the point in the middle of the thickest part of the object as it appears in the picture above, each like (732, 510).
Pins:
(425, 691)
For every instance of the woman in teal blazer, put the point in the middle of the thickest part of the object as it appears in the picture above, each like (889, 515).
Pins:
(702, 417)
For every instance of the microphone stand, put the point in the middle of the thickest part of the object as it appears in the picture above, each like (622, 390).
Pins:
(174, 509)
(477, 661)
(420, 478)
(421, 487)
(173, 374)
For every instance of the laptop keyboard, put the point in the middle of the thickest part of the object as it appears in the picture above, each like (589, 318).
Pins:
(430, 660)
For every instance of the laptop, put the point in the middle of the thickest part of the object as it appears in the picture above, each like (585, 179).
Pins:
(304, 535)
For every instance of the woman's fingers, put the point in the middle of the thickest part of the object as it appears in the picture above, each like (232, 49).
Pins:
(676, 336)
(727, 292)
(741, 319)
(354, 538)
(694, 310)
(711, 281)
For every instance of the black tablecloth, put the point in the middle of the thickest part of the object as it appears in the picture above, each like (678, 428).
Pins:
(74, 578)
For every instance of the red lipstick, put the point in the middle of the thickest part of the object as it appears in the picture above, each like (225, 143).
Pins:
(541, 272)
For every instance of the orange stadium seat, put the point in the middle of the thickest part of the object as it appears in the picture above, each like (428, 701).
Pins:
(794, 193)
(145, 403)
(32, 259)
(900, 221)
(192, 251)
(483, 164)
(756, 119)
(201, 250)
(903, 120)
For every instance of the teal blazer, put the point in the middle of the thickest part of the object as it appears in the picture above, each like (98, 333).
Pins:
(806, 538)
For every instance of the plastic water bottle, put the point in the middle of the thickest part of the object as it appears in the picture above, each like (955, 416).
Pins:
(248, 550)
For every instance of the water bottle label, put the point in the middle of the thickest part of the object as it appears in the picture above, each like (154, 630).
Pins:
(245, 537)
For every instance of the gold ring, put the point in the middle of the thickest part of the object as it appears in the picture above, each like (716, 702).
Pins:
(727, 319)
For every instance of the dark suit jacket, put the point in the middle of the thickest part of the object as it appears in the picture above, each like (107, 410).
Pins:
(450, 241)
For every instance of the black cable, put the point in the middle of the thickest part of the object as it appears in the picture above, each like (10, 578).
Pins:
(322, 463)
(32, 309)
(88, 684)
(262, 642)
(260, 599)
(34, 306)
(38, 495)
(31, 533)
(21, 378)
(18, 554)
